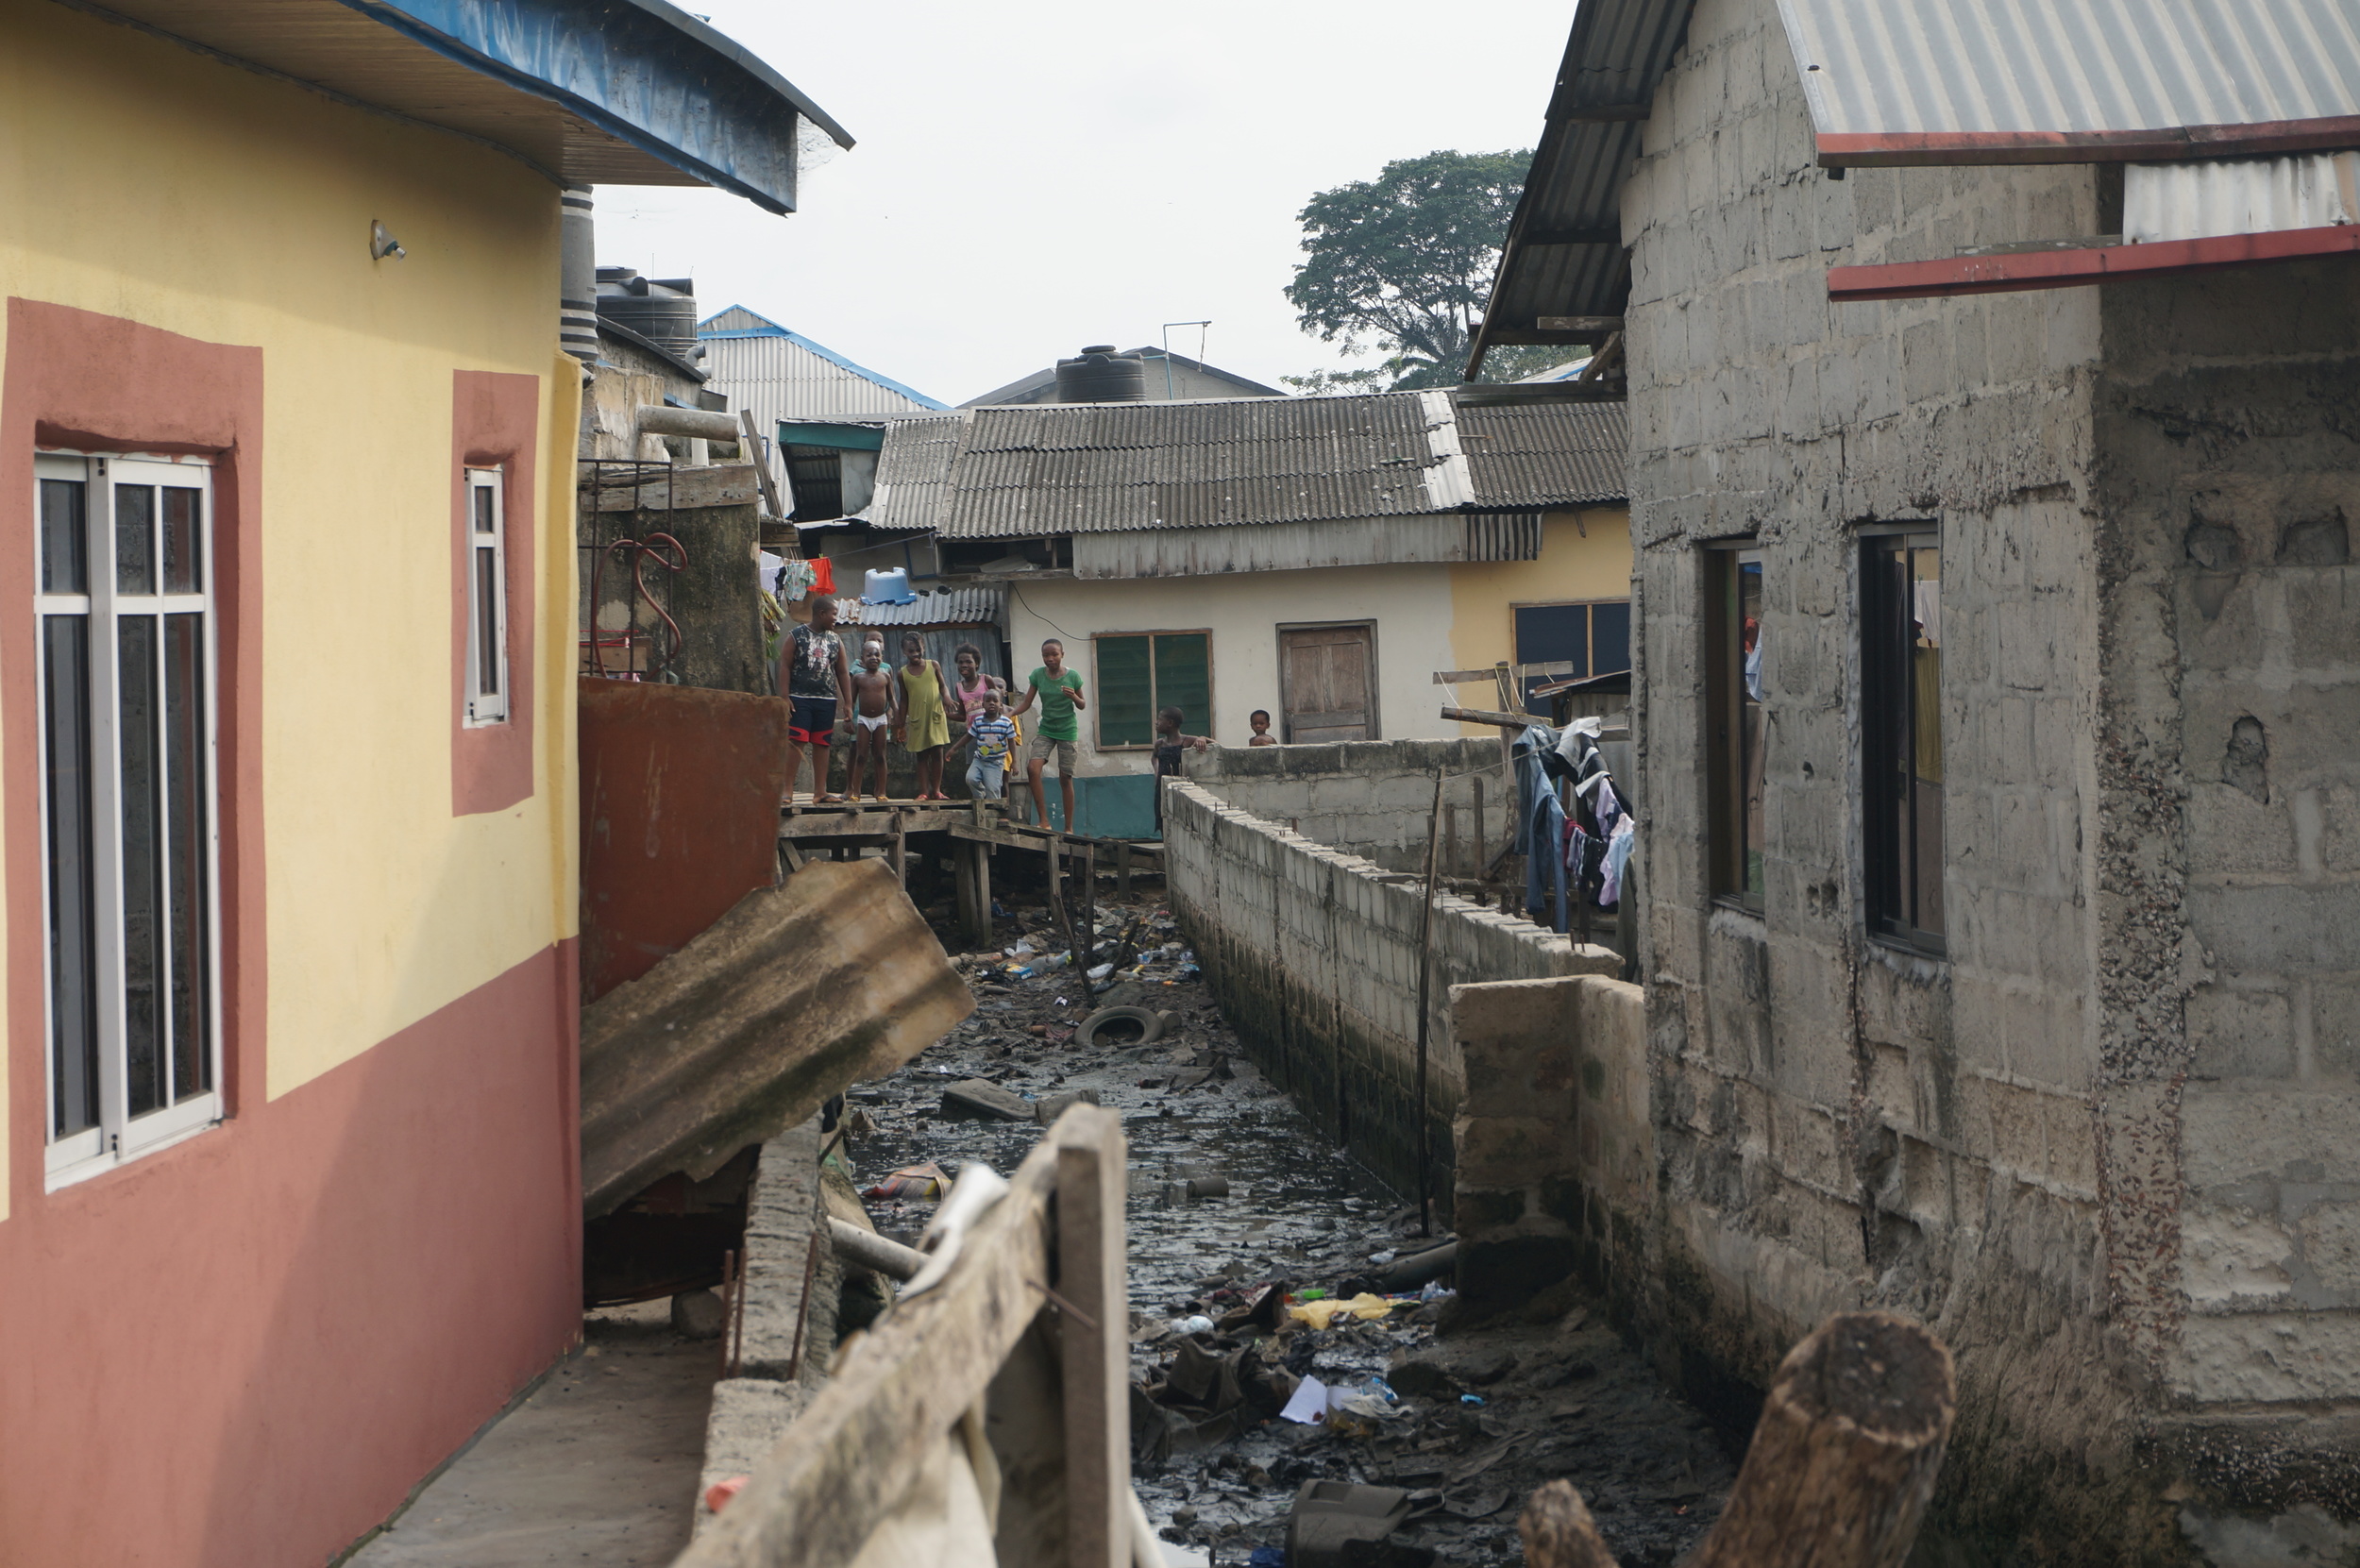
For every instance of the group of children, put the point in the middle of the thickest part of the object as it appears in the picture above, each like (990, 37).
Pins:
(917, 706)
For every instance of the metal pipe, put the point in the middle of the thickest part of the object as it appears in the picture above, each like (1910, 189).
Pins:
(664, 419)
(872, 1252)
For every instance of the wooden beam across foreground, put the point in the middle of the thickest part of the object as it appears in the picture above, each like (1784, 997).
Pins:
(1839, 1471)
(1485, 676)
(1518, 721)
(853, 1456)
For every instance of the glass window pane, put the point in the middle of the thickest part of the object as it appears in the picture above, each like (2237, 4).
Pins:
(1184, 679)
(188, 873)
(487, 626)
(184, 522)
(64, 537)
(135, 539)
(1925, 654)
(1126, 692)
(1549, 635)
(486, 519)
(142, 866)
(1609, 638)
(73, 953)
(1753, 732)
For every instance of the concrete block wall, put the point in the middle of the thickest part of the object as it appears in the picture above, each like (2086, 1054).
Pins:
(1374, 797)
(2229, 979)
(1314, 954)
(2090, 1140)
(1555, 1166)
(791, 1290)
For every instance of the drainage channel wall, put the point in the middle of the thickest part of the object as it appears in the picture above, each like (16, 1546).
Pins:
(1373, 797)
(1313, 954)
(752, 1410)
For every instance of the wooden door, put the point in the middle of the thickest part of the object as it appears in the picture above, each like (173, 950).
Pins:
(1326, 677)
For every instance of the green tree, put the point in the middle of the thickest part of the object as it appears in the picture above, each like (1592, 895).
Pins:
(1403, 264)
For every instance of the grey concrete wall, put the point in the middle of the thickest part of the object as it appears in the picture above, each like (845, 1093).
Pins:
(1373, 798)
(2228, 772)
(2090, 1143)
(1555, 1173)
(1314, 955)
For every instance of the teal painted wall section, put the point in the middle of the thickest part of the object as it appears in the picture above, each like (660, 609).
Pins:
(1117, 805)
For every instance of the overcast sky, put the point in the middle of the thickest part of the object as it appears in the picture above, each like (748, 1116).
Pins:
(1037, 174)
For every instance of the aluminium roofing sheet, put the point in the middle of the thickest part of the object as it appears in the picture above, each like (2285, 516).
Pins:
(2017, 80)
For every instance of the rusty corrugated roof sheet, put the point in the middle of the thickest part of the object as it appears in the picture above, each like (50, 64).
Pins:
(1564, 253)
(2001, 81)
(932, 607)
(1081, 468)
(1557, 454)
(796, 993)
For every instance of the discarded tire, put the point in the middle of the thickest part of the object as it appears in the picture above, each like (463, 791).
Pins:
(1119, 1026)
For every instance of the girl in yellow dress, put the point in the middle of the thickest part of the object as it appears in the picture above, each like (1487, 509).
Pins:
(925, 710)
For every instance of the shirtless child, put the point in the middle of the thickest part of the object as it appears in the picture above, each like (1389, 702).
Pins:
(876, 706)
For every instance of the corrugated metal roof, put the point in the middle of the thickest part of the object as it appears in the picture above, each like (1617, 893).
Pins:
(1990, 81)
(781, 374)
(632, 92)
(1559, 454)
(1564, 253)
(2245, 195)
(1194, 378)
(932, 607)
(1085, 469)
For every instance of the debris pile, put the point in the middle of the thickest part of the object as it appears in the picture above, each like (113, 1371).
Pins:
(1298, 1382)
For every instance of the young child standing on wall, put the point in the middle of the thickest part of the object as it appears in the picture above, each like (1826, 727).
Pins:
(991, 734)
(925, 725)
(1259, 719)
(876, 704)
(1169, 743)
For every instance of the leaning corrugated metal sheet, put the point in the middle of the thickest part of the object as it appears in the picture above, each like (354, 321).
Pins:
(2001, 80)
(830, 980)
(1560, 454)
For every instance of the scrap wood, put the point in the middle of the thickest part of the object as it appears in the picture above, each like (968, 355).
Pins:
(794, 994)
(1838, 1473)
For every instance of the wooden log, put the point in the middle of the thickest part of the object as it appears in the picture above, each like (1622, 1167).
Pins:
(1845, 1453)
(1493, 716)
(1558, 1531)
(1094, 1336)
(1840, 1468)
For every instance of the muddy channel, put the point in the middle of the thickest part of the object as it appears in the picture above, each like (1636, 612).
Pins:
(1468, 1418)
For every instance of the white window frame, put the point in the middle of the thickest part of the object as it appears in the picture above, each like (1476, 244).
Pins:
(486, 504)
(119, 1136)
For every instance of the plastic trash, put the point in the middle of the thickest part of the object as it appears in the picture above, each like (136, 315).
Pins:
(1021, 948)
(890, 585)
(1470, 1399)
(1320, 1314)
(1196, 1322)
(913, 1181)
(719, 1495)
(1381, 1258)
(1436, 1290)
(1308, 1408)
(1101, 972)
(1383, 1390)
(1054, 961)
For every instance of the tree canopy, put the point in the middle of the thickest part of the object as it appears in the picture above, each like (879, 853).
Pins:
(1403, 264)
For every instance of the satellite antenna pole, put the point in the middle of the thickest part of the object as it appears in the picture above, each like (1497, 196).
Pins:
(1201, 339)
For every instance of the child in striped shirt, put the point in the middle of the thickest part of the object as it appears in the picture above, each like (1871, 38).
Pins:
(993, 733)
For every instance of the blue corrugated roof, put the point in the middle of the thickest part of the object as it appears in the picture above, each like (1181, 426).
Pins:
(772, 330)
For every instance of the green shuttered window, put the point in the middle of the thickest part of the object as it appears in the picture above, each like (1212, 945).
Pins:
(1141, 672)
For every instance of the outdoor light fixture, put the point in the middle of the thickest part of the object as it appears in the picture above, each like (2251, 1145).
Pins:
(382, 243)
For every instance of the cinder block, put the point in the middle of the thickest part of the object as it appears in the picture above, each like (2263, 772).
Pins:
(2240, 1034)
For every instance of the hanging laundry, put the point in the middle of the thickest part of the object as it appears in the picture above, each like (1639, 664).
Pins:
(1531, 782)
(1544, 868)
(1617, 862)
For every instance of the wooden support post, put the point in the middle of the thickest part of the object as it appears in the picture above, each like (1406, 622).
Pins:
(1088, 925)
(1482, 838)
(898, 852)
(1123, 870)
(1064, 922)
(971, 867)
(1839, 1470)
(1426, 975)
(1094, 1336)
(1450, 838)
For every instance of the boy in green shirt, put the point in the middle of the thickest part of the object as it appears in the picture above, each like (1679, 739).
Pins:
(1059, 691)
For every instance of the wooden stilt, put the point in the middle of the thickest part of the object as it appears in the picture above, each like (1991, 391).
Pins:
(1123, 870)
(1093, 1336)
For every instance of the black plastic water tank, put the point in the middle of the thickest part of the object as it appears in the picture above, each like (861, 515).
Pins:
(661, 309)
(1102, 376)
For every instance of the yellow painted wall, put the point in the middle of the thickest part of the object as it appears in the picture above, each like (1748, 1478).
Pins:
(1584, 555)
(145, 180)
